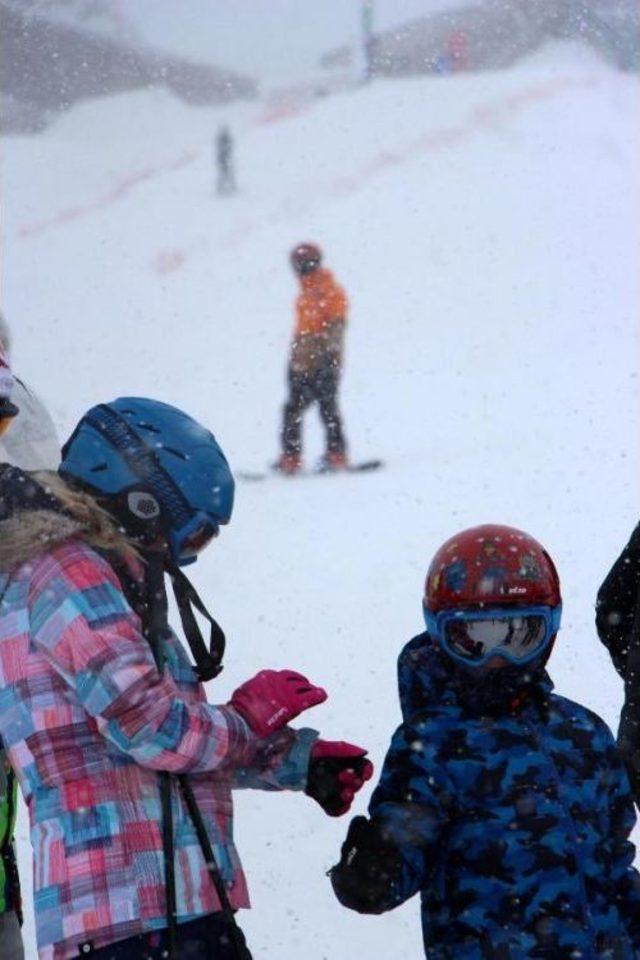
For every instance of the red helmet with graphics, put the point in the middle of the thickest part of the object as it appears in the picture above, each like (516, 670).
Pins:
(491, 564)
(492, 590)
(305, 258)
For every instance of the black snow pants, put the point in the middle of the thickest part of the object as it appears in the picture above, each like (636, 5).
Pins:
(226, 183)
(305, 388)
(207, 938)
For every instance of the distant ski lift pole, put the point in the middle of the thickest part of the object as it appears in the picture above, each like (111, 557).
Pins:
(367, 38)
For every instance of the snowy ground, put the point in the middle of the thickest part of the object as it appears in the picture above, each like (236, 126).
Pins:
(485, 227)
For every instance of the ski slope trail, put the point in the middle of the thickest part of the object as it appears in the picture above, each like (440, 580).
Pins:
(484, 227)
(483, 115)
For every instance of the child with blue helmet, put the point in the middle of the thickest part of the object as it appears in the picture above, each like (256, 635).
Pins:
(105, 718)
(503, 804)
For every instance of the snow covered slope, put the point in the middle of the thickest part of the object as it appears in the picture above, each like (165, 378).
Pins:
(485, 228)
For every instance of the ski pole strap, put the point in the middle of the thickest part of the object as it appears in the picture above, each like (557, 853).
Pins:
(208, 661)
(156, 629)
(169, 863)
(240, 946)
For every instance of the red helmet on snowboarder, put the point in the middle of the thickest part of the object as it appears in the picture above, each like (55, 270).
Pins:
(492, 590)
(305, 258)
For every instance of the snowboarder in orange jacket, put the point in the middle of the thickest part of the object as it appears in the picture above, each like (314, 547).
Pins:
(315, 361)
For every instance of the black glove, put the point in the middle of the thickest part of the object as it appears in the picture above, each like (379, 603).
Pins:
(368, 875)
(337, 770)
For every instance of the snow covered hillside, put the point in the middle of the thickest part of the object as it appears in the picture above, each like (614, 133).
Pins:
(485, 228)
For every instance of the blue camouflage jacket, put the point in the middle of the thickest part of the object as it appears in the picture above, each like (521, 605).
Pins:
(513, 826)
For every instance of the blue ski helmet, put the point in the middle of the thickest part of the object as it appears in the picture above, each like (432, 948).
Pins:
(161, 471)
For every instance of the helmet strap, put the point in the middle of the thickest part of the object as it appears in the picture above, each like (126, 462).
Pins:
(208, 661)
(149, 601)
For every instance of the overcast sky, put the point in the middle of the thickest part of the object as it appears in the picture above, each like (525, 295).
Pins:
(272, 39)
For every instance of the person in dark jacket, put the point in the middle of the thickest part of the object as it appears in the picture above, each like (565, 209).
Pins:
(618, 626)
(503, 804)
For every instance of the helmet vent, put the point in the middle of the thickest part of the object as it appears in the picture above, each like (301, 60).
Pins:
(176, 453)
(99, 467)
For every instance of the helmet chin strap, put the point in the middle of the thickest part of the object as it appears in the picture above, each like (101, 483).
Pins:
(148, 534)
(208, 661)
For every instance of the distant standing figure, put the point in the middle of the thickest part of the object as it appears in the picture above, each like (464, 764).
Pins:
(226, 181)
(315, 361)
(28, 438)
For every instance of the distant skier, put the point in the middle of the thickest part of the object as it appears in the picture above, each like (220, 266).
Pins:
(315, 362)
(28, 437)
(506, 806)
(223, 150)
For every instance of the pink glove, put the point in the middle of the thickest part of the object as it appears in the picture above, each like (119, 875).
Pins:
(274, 697)
(337, 770)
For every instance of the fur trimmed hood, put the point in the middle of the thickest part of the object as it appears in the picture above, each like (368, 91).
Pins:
(40, 511)
(33, 532)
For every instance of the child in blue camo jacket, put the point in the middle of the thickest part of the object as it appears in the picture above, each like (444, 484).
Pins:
(505, 805)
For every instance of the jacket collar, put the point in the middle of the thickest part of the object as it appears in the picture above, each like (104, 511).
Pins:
(314, 279)
(429, 678)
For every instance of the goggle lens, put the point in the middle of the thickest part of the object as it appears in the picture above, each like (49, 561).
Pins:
(197, 541)
(516, 637)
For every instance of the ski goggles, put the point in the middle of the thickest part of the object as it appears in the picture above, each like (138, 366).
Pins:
(188, 542)
(472, 637)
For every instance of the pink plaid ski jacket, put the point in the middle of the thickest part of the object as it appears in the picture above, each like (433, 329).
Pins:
(87, 721)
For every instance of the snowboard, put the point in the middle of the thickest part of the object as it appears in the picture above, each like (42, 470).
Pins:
(257, 476)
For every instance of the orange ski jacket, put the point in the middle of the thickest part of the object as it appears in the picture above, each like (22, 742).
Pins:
(321, 314)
